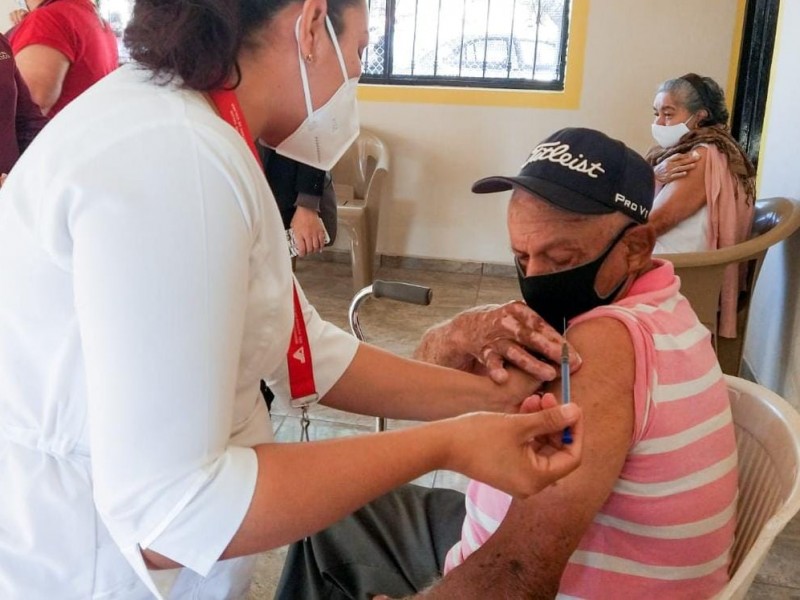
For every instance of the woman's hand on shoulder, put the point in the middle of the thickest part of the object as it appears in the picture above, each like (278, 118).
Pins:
(676, 166)
(16, 16)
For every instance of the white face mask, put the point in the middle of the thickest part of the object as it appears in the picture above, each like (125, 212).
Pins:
(325, 134)
(667, 136)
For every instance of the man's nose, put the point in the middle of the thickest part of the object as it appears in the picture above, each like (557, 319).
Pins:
(533, 268)
(660, 120)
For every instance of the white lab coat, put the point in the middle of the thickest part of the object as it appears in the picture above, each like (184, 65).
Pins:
(146, 289)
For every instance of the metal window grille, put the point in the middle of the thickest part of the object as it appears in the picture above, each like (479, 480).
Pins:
(465, 43)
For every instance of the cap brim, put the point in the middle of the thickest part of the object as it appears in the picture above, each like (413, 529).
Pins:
(557, 195)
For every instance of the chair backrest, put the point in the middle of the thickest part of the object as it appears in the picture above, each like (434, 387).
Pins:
(366, 158)
(768, 442)
(365, 167)
(702, 273)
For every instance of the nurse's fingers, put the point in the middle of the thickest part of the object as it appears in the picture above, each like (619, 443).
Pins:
(551, 459)
(537, 402)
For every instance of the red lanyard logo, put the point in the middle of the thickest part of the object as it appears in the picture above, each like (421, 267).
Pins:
(298, 357)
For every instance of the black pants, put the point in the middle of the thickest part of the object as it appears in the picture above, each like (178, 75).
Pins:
(395, 545)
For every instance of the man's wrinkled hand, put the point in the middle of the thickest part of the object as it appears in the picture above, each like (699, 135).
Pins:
(514, 334)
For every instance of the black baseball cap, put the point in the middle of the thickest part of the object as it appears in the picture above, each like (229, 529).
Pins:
(583, 171)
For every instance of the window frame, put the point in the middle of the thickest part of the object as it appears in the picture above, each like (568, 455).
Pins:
(567, 99)
(559, 84)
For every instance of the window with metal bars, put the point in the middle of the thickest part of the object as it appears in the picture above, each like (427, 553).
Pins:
(517, 44)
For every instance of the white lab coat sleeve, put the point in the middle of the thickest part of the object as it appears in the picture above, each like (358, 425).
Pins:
(161, 269)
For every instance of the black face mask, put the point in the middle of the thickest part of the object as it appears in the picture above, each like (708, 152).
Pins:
(561, 296)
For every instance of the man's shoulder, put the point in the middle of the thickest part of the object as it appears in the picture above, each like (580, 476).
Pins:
(600, 332)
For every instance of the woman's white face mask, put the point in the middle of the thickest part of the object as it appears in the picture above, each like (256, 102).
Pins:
(667, 136)
(326, 133)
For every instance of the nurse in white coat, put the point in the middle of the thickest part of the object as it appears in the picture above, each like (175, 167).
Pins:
(146, 289)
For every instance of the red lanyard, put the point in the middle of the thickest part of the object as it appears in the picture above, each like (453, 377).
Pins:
(301, 369)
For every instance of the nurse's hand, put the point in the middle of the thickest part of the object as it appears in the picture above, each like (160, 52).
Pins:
(3, 177)
(518, 454)
(494, 336)
(551, 460)
(309, 233)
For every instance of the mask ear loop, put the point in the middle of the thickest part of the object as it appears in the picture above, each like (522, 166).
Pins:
(617, 239)
(335, 40)
(303, 72)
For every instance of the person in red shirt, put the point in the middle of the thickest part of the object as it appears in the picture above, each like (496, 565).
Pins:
(20, 118)
(62, 47)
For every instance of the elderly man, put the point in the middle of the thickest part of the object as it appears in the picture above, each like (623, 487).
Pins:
(651, 511)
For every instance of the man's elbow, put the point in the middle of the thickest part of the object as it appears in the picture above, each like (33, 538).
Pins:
(540, 585)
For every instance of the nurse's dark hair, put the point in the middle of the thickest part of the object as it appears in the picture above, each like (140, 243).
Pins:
(199, 40)
(696, 92)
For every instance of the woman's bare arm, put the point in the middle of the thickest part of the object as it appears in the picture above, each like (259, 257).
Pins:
(303, 487)
(681, 198)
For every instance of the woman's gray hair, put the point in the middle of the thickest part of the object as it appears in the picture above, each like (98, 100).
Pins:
(694, 93)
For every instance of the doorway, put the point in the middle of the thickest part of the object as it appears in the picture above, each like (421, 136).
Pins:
(752, 82)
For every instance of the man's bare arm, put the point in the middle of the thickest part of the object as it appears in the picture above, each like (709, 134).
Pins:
(526, 556)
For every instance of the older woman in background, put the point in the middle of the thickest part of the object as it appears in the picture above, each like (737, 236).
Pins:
(63, 47)
(706, 184)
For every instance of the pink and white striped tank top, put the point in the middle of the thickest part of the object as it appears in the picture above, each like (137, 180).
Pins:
(667, 528)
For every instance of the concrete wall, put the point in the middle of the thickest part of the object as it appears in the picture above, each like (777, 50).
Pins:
(773, 343)
(6, 6)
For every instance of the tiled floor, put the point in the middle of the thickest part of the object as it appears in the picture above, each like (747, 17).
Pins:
(397, 327)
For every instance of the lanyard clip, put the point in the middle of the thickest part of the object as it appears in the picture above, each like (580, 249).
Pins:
(304, 401)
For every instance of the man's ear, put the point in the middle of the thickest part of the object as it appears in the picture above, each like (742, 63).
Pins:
(640, 241)
(312, 27)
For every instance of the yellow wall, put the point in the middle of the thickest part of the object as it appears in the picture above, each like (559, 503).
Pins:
(773, 341)
(439, 149)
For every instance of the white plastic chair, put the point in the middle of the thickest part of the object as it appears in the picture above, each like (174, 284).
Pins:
(359, 180)
(768, 440)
